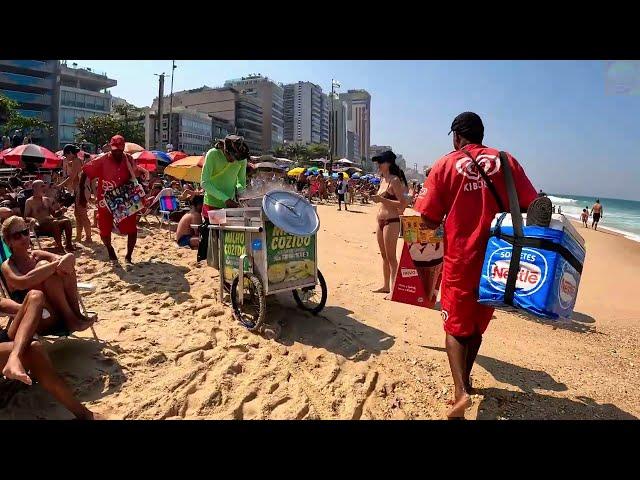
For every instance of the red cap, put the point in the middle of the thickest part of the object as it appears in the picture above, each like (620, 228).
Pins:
(117, 142)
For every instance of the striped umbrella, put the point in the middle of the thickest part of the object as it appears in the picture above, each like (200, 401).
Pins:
(164, 158)
(177, 155)
(31, 154)
(146, 160)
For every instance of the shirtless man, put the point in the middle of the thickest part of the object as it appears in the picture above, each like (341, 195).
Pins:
(596, 211)
(40, 209)
(72, 182)
(185, 235)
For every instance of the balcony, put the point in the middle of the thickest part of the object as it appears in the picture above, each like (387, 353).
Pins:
(41, 114)
(27, 98)
(14, 79)
(43, 66)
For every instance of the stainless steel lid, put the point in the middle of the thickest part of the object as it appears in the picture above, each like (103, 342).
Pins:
(290, 212)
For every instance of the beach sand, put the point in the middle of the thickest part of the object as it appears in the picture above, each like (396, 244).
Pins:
(168, 350)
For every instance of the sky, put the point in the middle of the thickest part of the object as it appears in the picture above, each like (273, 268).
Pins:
(572, 128)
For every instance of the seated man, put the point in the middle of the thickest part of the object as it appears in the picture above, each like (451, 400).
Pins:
(185, 235)
(22, 358)
(48, 219)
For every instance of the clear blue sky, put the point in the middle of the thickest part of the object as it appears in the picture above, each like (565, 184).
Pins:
(554, 116)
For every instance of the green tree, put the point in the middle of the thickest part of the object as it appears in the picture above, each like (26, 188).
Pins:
(100, 128)
(318, 150)
(10, 118)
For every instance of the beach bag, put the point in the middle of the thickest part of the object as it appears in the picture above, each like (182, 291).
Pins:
(125, 200)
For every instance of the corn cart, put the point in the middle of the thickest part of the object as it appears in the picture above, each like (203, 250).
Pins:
(267, 247)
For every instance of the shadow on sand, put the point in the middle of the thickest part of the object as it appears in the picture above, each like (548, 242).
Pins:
(530, 404)
(89, 366)
(578, 323)
(334, 329)
(156, 277)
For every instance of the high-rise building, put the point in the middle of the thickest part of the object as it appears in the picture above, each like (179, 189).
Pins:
(306, 113)
(353, 147)
(83, 94)
(243, 112)
(191, 130)
(338, 142)
(33, 84)
(271, 96)
(359, 117)
(375, 150)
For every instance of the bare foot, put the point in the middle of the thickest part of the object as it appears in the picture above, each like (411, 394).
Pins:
(87, 321)
(387, 297)
(70, 248)
(382, 290)
(458, 408)
(15, 370)
(128, 260)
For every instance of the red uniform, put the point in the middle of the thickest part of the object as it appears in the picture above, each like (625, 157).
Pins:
(455, 189)
(115, 174)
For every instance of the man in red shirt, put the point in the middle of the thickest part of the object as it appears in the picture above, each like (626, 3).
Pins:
(456, 192)
(111, 168)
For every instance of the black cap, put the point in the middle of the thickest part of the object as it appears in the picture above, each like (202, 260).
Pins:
(385, 157)
(70, 148)
(468, 124)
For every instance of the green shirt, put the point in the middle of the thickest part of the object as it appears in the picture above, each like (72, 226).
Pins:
(221, 178)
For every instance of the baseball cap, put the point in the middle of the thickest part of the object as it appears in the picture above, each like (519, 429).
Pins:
(385, 157)
(117, 142)
(70, 148)
(468, 123)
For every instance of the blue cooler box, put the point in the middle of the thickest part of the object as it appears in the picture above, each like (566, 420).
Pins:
(547, 284)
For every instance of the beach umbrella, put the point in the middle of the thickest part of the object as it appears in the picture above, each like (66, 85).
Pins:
(31, 154)
(355, 175)
(146, 160)
(163, 157)
(132, 148)
(283, 160)
(294, 172)
(177, 155)
(345, 161)
(268, 166)
(3, 152)
(188, 169)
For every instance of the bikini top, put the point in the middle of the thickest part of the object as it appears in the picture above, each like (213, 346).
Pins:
(388, 196)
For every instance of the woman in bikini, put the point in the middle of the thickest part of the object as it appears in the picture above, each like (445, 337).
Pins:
(39, 270)
(392, 197)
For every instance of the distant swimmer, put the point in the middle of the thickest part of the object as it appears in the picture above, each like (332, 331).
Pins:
(585, 217)
(596, 211)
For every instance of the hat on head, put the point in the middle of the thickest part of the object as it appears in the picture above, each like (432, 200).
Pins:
(70, 148)
(468, 124)
(385, 157)
(117, 142)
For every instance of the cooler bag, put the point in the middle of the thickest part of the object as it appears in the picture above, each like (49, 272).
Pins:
(530, 268)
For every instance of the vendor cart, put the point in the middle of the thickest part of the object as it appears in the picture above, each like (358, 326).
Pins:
(268, 246)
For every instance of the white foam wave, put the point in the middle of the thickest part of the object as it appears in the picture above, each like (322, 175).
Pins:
(562, 200)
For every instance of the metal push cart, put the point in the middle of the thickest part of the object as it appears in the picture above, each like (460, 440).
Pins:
(269, 249)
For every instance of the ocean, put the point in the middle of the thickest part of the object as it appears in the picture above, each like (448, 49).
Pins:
(620, 216)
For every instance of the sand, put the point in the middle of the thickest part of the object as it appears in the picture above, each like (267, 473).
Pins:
(168, 350)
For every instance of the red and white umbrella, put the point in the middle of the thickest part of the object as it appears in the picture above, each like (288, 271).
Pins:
(146, 160)
(177, 155)
(31, 154)
(131, 148)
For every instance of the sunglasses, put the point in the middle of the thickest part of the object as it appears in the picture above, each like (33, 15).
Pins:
(19, 234)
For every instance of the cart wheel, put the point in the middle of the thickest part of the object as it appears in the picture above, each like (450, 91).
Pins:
(310, 299)
(251, 313)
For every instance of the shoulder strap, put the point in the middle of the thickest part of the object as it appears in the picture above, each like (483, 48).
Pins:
(486, 179)
(128, 159)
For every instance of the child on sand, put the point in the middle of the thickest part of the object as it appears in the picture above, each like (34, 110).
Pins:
(585, 217)
(185, 235)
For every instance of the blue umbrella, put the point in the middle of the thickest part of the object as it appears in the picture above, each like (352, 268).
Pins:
(375, 181)
(355, 175)
(163, 157)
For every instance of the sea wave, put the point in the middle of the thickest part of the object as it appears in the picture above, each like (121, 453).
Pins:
(562, 200)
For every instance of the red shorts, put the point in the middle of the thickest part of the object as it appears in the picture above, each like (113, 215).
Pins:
(105, 223)
(462, 315)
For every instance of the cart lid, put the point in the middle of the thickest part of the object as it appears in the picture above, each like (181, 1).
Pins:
(290, 212)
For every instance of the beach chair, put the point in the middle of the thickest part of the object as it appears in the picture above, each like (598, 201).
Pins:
(83, 287)
(168, 205)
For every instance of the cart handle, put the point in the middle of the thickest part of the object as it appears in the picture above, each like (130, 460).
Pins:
(233, 228)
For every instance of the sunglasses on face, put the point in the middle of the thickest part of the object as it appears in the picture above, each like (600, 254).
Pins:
(20, 234)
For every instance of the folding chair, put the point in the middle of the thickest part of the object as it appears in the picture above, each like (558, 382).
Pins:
(168, 205)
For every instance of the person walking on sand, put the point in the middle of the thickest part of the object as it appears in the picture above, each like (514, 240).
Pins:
(392, 197)
(456, 190)
(72, 182)
(585, 217)
(596, 211)
(341, 189)
(112, 171)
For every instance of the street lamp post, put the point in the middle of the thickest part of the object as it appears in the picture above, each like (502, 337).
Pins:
(158, 141)
(173, 67)
(332, 144)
